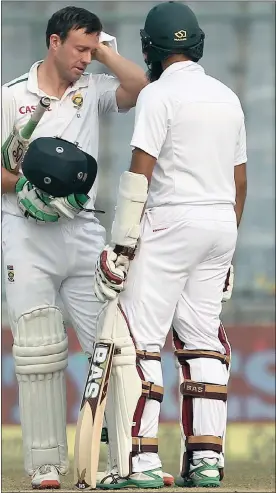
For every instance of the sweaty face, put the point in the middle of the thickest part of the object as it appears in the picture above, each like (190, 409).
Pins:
(75, 53)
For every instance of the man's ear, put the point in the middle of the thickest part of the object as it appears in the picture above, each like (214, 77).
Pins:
(54, 41)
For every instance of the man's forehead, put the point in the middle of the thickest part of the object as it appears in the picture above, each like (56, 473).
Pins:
(80, 34)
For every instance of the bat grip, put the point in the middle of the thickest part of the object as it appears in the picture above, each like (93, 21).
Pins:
(42, 106)
(126, 251)
(29, 128)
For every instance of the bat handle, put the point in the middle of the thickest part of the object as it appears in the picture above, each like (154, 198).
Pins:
(43, 105)
(45, 102)
(126, 251)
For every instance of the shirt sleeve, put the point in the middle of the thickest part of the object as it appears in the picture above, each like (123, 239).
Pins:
(106, 88)
(240, 153)
(8, 113)
(151, 122)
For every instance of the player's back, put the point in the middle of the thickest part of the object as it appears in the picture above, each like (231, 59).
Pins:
(203, 141)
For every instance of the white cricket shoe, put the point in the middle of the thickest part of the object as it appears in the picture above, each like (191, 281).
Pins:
(203, 473)
(46, 477)
(168, 479)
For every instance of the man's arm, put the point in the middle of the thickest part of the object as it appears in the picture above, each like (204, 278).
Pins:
(240, 171)
(142, 163)
(241, 189)
(132, 78)
(151, 124)
(8, 181)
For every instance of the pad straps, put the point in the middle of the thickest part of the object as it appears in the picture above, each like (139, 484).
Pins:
(203, 390)
(183, 355)
(149, 391)
(189, 390)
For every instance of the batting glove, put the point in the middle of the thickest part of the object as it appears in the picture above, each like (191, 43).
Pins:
(229, 284)
(69, 206)
(32, 204)
(110, 275)
(13, 151)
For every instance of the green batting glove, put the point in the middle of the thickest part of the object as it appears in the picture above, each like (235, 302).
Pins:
(32, 205)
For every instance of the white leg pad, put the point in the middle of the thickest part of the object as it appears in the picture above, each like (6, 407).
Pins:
(40, 353)
(209, 415)
(125, 389)
(109, 415)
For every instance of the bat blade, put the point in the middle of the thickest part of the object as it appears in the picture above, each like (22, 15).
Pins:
(15, 146)
(90, 420)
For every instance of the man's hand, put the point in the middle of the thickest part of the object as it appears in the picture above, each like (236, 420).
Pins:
(102, 52)
(32, 204)
(69, 206)
(13, 151)
(228, 286)
(110, 276)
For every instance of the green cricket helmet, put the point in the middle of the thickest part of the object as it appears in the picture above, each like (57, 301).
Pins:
(171, 28)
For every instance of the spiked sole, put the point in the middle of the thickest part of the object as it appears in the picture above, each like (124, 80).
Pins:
(131, 483)
(168, 480)
(206, 484)
(47, 484)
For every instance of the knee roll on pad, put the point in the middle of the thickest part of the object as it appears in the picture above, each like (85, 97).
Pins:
(203, 375)
(40, 352)
(126, 391)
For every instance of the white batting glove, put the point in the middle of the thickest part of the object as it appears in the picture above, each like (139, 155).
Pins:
(110, 275)
(229, 284)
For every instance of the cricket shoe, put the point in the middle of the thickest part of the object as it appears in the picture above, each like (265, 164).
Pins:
(203, 473)
(167, 478)
(147, 479)
(46, 477)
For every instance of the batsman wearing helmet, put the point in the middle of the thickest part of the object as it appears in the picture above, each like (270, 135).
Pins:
(173, 239)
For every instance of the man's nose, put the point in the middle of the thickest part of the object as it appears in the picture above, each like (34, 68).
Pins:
(86, 57)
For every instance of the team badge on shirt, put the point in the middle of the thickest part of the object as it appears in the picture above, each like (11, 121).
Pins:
(77, 101)
(10, 271)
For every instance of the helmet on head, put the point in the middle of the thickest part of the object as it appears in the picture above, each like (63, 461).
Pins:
(171, 28)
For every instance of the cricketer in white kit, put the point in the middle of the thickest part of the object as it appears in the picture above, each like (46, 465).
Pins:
(187, 180)
(42, 259)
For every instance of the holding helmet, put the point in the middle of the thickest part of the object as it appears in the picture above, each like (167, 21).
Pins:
(171, 28)
(56, 180)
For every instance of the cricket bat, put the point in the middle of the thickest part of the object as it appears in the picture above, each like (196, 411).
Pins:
(91, 415)
(14, 148)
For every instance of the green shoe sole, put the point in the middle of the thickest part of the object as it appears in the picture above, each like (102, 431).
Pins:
(201, 483)
(206, 483)
(183, 483)
(132, 483)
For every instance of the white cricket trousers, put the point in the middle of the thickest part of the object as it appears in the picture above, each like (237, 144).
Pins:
(50, 260)
(177, 279)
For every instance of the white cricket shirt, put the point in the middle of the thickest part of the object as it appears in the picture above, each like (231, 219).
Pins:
(194, 126)
(74, 117)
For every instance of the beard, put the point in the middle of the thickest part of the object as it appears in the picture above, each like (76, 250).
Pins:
(155, 71)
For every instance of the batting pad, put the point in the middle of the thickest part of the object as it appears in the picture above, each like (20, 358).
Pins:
(202, 406)
(125, 389)
(40, 353)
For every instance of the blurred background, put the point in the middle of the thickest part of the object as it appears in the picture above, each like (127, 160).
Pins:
(239, 51)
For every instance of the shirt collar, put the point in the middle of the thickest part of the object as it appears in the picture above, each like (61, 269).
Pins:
(188, 66)
(32, 84)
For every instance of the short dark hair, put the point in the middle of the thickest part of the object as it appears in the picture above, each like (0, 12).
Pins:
(69, 18)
